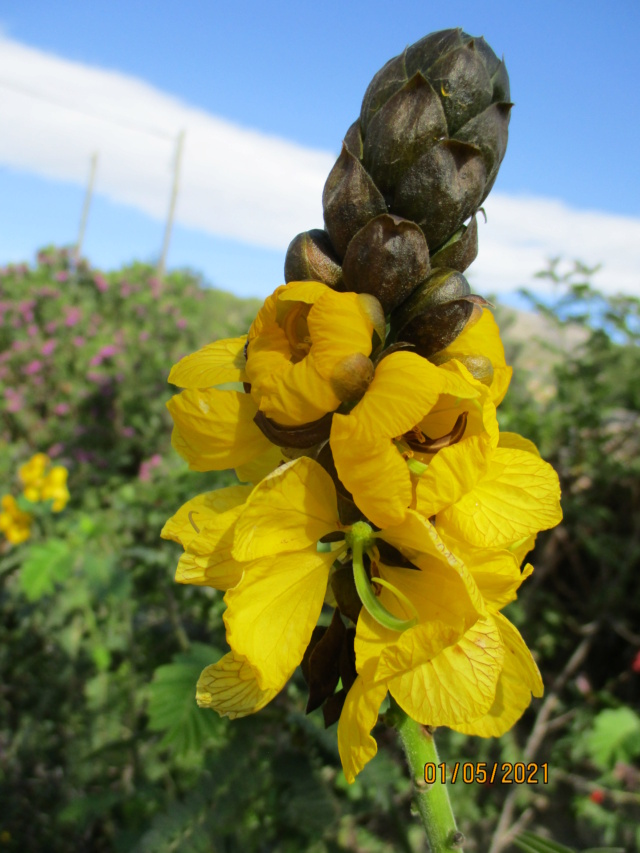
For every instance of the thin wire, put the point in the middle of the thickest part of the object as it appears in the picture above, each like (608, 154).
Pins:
(24, 90)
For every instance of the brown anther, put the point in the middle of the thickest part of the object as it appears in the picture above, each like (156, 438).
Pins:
(424, 444)
(191, 521)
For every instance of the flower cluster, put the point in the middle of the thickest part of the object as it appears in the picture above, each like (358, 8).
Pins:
(41, 482)
(375, 482)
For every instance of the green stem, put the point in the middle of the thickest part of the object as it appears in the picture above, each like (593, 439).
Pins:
(432, 800)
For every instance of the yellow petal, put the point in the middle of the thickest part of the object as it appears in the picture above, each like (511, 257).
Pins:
(363, 461)
(496, 572)
(214, 429)
(404, 388)
(359, 715)
(483, 338)
(338, 327)
(481, 412)
(297, 394)
(519, 495)
(272, 612)
(192, 516)
(221, 361)
(289, 510)
(302, 291)
(218, 570)
(452, 473)
(231, 689)
(517, 442)
(257, 469)
(459, 684)
(519, 678)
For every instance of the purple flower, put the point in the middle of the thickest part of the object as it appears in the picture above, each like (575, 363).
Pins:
(143, 336)
(33, 367)
(61, 408)
(73, 316)
(48, 347)
(62, 276)
(55, 450)
(101, 283)
(182, 323)
(78, 341)
(128, 431)
(51, 327)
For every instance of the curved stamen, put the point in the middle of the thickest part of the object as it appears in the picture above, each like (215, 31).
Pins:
(368, 597)
(399, 595)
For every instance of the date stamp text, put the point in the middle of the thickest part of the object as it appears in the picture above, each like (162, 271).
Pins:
(481, 773)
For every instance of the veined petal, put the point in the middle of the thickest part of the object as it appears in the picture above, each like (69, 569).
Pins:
(453, 472)
(519, 678)
(272, 612)
(496, 572)
(288, 511)
(218, 570)
(363, 461)
(221, 361)
(214, 429)
(419, 541)
(231, 689)
(359, 715)
(518, 495)
(338, 328)
(459, 684)
(192, 516)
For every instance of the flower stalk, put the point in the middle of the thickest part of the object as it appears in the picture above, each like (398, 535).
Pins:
(432, 801)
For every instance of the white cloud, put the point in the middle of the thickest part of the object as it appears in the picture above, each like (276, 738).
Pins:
(246, 185)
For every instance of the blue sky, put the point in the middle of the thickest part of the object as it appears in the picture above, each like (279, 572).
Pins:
(299, 72)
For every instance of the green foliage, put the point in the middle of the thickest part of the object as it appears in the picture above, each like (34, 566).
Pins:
(172, 708)
(46, 565)
(615, 737)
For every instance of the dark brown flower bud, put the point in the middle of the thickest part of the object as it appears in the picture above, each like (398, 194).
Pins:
(311, 257)
(436, 313)
(388, 258)
(349, 200)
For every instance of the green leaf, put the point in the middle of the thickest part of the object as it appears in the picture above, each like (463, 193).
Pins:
(172, 703)
(45, 566)
(531, 843)
(615, 737)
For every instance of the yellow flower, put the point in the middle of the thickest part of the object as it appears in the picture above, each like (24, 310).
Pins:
(42, 483)
(54, 486)
(305, 344)
(213, 426)
(282, 584)
(14, 523)
(410, 404)
(32, 476)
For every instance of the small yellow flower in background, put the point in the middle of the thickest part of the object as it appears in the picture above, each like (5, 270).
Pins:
(42, 482)
(32, 476)
(54, 487)
(14, 523)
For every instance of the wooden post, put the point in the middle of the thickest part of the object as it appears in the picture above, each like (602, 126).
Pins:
(87, 204)
(172, 205)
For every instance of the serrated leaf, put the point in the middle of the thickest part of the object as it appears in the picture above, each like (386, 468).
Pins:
(172, 703)
(615, 737)
(46, 565)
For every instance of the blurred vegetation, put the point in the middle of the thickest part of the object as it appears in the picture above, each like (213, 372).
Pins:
(102, 747)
